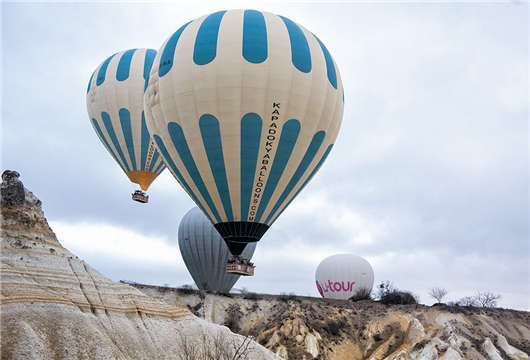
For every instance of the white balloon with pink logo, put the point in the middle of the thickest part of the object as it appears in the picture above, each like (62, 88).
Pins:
(344, 276)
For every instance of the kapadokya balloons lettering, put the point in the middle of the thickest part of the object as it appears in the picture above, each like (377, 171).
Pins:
(205, 253)
(115, 108)
(244, 107)
(343, 276)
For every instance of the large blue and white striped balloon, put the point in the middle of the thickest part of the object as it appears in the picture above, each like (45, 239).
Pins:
(245, 107)
(115, 108)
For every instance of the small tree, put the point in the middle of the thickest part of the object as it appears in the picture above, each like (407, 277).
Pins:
(438, 294)
(487, 299)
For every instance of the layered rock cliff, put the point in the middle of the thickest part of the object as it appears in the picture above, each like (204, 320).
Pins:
(53, 305)
(311, 328)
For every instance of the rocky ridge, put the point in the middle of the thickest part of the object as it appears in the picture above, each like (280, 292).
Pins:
(55, 306)
(312, 328)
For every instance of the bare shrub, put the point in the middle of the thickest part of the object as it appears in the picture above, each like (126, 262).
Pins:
(286, 297)
(397, 297)
(186, 289)
(362, 294)
(219, 346)
(438, 294)
(251, 296)
(487, 299)
(385, 288)
(467, 301)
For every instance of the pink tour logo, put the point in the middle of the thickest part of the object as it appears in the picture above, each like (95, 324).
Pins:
(335, 286)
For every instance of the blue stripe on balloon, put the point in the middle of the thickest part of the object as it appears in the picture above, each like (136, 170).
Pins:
(300, 54)
(144, 143)
(110, 130)
(90, 82)
(177, 173)
(332, 75)
(160, 168)
(103, 71)
(148, 63)
(124, 66)
(288, 138)
(254, 37)
(166, 59)
(306, 181)
(211, 138)
(153, 160)
(251, 124)
(205, 48)
(181, 145)
(125, 121)
(302, 167)
(106, 143)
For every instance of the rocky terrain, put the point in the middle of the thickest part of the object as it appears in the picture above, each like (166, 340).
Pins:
(53, 305)
(310, 328)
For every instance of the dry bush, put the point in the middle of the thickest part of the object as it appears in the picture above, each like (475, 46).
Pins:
(362, 294)
(481, 299)
(286, 297)
(251, 296)
(219, 346)
(467, 301)
(385, 288)
(397, 297)
(186, 289)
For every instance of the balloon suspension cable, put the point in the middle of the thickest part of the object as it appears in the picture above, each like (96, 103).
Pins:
(140, 196)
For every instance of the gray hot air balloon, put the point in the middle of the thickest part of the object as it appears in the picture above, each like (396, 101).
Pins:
(205, 253)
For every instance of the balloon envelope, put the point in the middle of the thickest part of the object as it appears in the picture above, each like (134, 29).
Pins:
(115, 108)
(205, 253)
(244, 106)
(343, 276)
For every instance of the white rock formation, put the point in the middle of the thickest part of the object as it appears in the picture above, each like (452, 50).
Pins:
(416, 331)
(55, 306)
(512, 352)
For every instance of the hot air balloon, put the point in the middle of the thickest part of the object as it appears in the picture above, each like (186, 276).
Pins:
(244, 107)
(343, 276)
(205, 253)
(115, 108)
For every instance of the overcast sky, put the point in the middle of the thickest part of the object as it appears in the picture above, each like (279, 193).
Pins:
(428, 179)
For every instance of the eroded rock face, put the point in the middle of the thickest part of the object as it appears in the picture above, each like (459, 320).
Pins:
(311, 328)
(55, 306)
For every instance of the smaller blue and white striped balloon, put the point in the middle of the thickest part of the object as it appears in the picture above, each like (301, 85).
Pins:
(115, 108)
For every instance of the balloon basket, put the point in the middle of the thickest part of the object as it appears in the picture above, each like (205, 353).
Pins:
(140, 196)
(240, 269)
